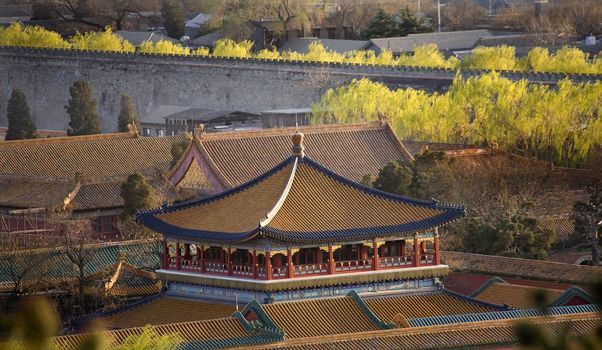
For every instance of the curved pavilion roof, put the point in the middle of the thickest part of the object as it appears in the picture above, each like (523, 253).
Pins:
(299, 200)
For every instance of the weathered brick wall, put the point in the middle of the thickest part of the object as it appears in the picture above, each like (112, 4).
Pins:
(234, 84)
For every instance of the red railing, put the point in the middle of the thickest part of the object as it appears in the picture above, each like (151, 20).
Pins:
(242, 270)
(190, 264)
(353, 265)
(279, 272)
(427, 258)
(310, 269)
(216, 267)
(261, 272)
(393, 261)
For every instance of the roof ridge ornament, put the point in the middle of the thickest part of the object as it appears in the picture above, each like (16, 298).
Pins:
(298, 148)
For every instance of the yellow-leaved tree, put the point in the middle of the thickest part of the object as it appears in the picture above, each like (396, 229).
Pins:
(230, 48)
(31, 36)
(101, 41)
(163, 47)
(496, 58)
(560, 124)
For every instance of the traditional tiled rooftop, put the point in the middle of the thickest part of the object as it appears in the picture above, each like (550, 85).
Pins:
(94, 156)
(425, 305)
(319, 317)
(164, 310)
(206, 334)
(523, 268)
(463, 336)
(289, 203)
(84, 172)
(349, 150)
(515, 296)
(23, 193)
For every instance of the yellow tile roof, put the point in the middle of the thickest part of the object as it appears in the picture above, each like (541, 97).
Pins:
(318, 317)
(94, 156)
(299, 200)
(207, 330)
(423, 305)
(23, 193)
(514, 295)
(349, 150)
(464, 335)
(167, 310)
(523, 268)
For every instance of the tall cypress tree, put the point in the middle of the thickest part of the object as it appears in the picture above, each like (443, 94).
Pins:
(173, 16)
(127, 115)
(410, 24)
(82, 110)
(20, 125)
(381, 25)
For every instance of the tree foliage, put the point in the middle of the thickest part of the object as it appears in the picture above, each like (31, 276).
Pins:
(173, 15)
(382, 25)
(20, 125)
(587, 217)
(516, 236)
(127, 114)
(163, 47)
(561, 124)
(410, 24)
(230, 48)
(177, 150)
(30, 36)
(395, 177)
(150, 339)
(137, 194)
(565, 60)
(101, 41)
(82, 110)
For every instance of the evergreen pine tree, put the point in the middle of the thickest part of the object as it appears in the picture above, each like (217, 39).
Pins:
(20, 125)
(137, 194)
(82, 110)
(382, 25)
(410, 24)
(127, 115)
(173, 15)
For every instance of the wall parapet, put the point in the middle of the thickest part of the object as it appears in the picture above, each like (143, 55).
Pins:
(271, 64)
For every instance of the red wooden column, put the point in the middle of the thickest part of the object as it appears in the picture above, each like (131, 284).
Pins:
(202, 259)
(268, 265)
(437, 256)
(178, 255)
(165, 254)
(375, 256)
(289, 267)
(402, 248)
(416, 252)
(229, 260)
(330, 260)
(254, 264)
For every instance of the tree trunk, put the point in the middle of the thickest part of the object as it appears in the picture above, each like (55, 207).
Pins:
(594, 240)
(82, 306)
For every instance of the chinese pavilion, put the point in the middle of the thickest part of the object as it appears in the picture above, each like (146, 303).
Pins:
(299, 231)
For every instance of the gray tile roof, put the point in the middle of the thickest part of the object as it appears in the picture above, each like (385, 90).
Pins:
(301, 45)
(465, 39)
(137, 38)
